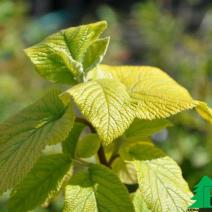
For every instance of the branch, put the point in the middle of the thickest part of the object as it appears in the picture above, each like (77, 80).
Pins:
(85, 122)
(102, 157)
(113, 157)
(101, 154)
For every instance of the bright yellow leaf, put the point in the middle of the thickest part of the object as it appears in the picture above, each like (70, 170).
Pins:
(156, 94)
(162, 186)
(204, 111)
(106, 104)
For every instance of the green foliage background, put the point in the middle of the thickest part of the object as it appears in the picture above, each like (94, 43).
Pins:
(149, 33)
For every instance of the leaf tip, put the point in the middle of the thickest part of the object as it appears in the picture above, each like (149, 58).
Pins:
(204, 111)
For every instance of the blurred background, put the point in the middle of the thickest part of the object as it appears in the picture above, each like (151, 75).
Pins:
(175, 35)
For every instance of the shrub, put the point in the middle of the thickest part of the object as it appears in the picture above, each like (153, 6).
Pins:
(122, 106)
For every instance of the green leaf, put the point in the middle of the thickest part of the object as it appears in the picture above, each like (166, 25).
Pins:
(162, 186)
(69, 145)
(95, 53)
(125, 170)
(54, 64)
(139, 203)
(87, 146)
(106, 104)
(64, 56)
(24, 136)
(140, 150)
(42, 182)
(156, 94)
(78, 39)
(141, 129)
(99, 189)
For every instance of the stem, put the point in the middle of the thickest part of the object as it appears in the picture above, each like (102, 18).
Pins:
(113, 157)
(102, 157)
(101, 154)
(83, 121)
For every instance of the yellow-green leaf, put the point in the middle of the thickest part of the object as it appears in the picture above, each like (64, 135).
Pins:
(24, 136)
(141, 129)
(139, 203)
(64, 56)
(156, 94)
(79, 38)
(106, 104)
(87, 145)
(41, 184)
(139, 150)
(70, 143)
(160, 180)
(204, 111)
(125, 170)
(96, 189)
(53, 64)
(95, 53)
(162, 186)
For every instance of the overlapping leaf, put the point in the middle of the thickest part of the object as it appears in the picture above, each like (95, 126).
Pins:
(139, 150)
(63, 56)
(88, 146)
(156, 94)
(162, 186)
(95, 53)
(106, 104)
(23, 137)
(42, 182)
(97, 189)
(160, 180)
(139, 203)
(129, 151)
(116, 95)
(54, 64)
(141, 129)
(125, 170)
(70, 143)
